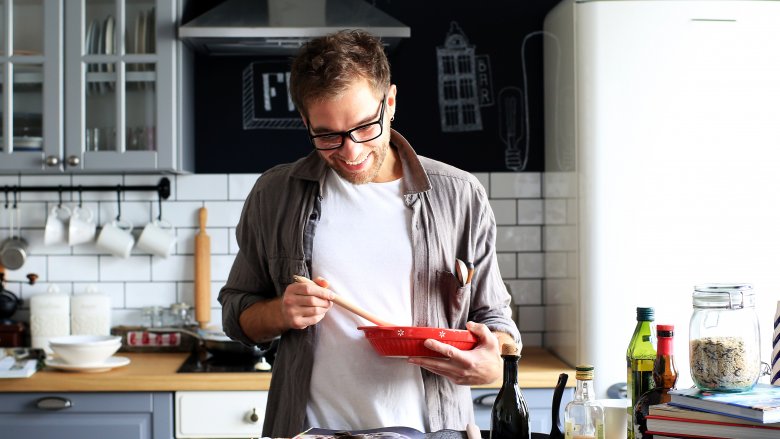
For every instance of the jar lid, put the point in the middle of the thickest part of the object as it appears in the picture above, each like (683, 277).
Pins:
(727, 296)
(584, 372)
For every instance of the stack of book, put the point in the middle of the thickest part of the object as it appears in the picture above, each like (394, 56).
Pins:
(692, 413)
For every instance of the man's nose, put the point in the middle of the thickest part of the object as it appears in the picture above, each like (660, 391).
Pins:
(351, 150)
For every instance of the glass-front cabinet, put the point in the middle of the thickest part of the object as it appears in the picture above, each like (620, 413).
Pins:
(98, 90)
(31, 98)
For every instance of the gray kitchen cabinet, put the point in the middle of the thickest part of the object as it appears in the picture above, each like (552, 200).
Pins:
(539, 403)
(131, 415)
(112, 91)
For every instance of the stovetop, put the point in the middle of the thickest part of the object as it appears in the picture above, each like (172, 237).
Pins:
(201, 361)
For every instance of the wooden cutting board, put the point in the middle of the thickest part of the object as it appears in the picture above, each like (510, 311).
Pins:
(202, 272)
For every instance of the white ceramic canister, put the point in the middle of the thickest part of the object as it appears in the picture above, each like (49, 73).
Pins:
(49, 317)
(90, 313)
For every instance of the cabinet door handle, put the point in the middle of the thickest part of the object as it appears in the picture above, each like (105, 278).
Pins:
(485, 400)
(253, 417)
(74, 160)
(53, 403)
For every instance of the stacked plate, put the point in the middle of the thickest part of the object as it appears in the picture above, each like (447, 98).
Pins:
(86, 353)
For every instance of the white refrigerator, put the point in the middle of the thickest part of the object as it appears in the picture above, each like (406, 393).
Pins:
(662, 157)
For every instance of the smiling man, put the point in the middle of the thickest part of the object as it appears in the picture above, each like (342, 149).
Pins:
(365, 216)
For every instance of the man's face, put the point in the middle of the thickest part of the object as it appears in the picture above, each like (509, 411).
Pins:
(356, 162)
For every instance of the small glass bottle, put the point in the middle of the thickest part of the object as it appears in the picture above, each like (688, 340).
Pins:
(664, 376)
(724, 338)
(584, 416)
(640, 357)
(510, 418)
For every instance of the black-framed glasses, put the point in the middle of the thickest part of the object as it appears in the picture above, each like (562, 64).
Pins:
(360, 134)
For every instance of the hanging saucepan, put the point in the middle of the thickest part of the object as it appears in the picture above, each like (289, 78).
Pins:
(217, 343)
(13, 251)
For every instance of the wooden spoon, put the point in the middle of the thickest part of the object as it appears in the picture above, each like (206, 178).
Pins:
(348, 305)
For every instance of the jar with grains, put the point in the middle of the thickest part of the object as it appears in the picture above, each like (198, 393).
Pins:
(724, 338)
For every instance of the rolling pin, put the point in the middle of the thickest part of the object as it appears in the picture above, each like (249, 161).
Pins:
(202, 272)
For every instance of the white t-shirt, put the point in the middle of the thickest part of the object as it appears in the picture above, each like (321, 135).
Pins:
(362, 247)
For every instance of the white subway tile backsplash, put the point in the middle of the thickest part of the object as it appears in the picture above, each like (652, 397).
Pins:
(555, 265)
(28, 290)
(555, 211)
(132, 269)
(525, 291)
(505, 211)
(143, 280)
(182, 213)
(507, 264)
(529, 212)
(174, 268)
(142, 294)
(560, 238)
(530, 265)
(518, 238)
(73, 268)
(224, 213)
(197, 187)
(239, 185)
(515, 185)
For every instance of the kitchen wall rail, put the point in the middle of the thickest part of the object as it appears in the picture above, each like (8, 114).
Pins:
(163, 189)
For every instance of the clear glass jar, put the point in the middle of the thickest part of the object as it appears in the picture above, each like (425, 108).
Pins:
(724, 338)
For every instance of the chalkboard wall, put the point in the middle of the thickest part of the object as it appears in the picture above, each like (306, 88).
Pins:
(488, 119)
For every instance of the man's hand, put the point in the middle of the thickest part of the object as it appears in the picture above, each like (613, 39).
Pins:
(481, 365)
(305, 303)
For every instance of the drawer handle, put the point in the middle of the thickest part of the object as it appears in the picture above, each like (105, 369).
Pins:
(486, 400)
(53, 403)
(253, 417)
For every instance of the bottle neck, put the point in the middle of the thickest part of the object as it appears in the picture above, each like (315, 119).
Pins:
(664, 370)
(665, 346)
(584, 391)
(510, 369)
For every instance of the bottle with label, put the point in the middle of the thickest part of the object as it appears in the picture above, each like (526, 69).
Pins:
(584, 416)
(509, 418)
(665, 378)
(640, 357)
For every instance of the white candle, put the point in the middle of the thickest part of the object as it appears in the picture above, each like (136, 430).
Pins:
(776, 349)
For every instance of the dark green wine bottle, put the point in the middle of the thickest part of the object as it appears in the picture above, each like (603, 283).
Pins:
(509, 418)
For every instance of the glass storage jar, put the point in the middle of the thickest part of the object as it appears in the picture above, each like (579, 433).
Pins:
(724, 338)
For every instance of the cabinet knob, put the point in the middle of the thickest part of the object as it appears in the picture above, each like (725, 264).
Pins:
(53, 403)
(52, 160)
(74, 161)
(253, 417)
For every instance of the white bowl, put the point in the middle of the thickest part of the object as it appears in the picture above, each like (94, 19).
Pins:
(85, 350)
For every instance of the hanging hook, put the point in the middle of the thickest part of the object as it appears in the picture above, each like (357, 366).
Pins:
(59, 205)
(159, 206)
(15, 198)
(6, 197)
(118, 202)
(80, 199)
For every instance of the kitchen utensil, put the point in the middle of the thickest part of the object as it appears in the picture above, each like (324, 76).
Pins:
(348, 305)
(9, 302)
(217, 343)
(407, 341)
(202, 272)
(13, 251)
(462, 271)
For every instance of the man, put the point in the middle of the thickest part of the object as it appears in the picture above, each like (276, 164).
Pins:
(367, 218)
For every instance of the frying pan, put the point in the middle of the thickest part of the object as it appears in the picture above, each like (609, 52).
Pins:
(217, 343)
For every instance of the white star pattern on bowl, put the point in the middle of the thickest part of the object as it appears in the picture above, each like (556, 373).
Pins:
(442, 334)
(400, 332)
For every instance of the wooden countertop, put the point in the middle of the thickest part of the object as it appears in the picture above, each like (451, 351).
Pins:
(156, 372)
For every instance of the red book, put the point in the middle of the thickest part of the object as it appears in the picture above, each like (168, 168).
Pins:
(699, 428)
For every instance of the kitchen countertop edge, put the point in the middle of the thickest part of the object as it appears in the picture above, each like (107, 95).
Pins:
(156, 372)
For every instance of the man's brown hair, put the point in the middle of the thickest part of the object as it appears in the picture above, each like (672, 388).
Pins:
(326, 66)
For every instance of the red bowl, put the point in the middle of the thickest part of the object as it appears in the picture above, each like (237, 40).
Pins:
(407, 341)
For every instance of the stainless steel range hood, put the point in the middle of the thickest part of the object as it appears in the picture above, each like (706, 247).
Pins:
(279, 27)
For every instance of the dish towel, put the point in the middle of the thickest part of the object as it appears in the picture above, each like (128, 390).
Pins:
(776, 349)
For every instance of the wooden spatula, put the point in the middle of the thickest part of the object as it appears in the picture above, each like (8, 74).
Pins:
(348, 305)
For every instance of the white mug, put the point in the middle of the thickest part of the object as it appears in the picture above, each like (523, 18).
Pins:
(615, 417)
(82, 226)
(55, 231)
(116, 238)
(157, 238)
